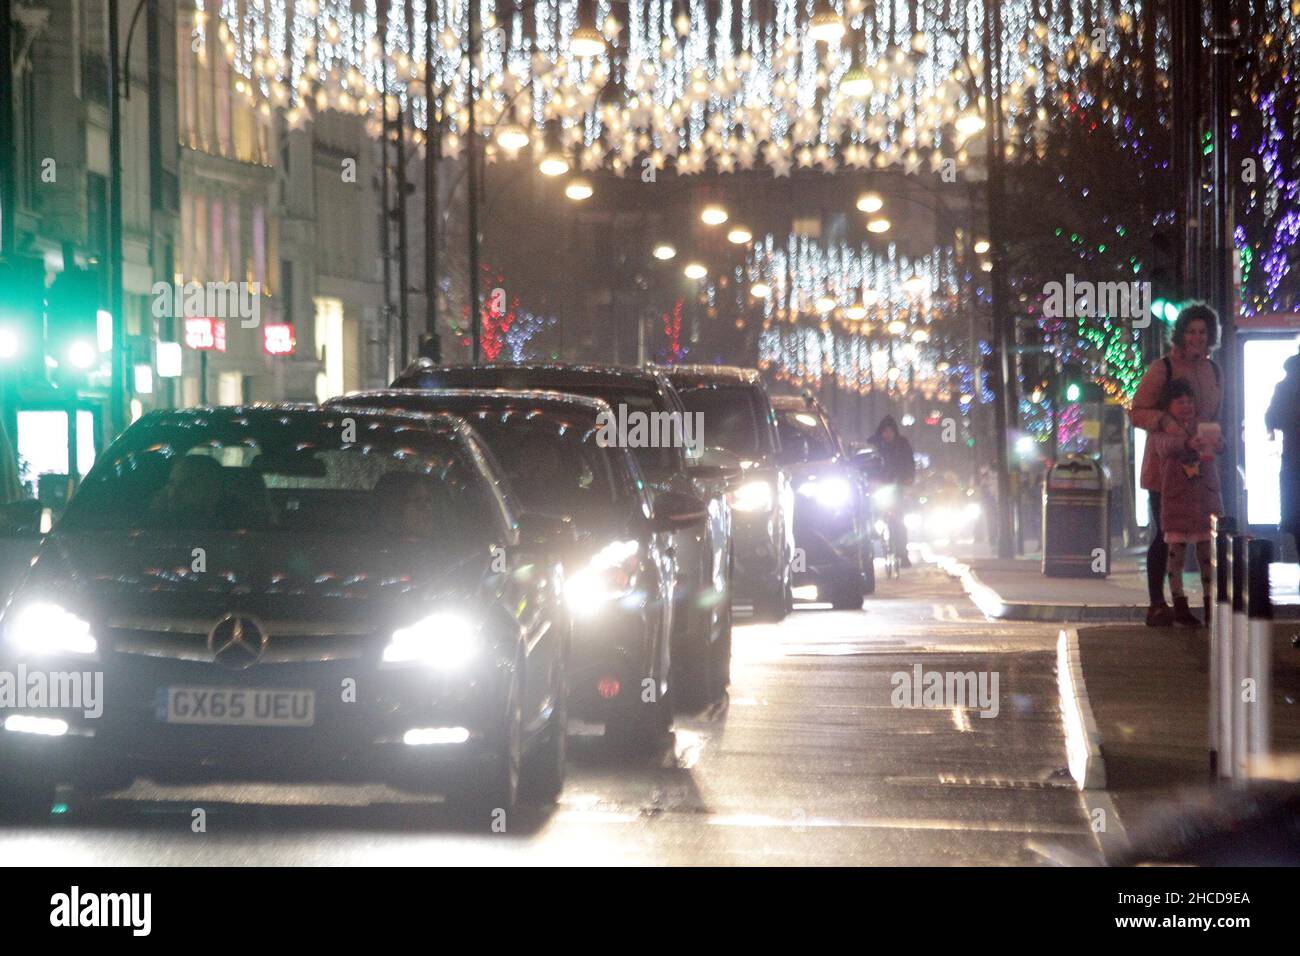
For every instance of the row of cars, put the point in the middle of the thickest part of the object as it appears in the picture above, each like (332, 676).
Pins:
(420, 585)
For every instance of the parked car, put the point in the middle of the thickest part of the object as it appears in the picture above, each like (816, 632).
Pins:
(738, 419)
(832, 511)
(620, 569)
(701, 644)
(289, 592)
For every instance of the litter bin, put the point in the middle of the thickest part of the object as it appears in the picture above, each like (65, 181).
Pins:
(1076, 519)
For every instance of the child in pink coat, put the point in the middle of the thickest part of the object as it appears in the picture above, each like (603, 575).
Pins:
(1189, 491)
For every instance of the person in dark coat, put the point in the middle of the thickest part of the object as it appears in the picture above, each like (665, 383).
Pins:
(897, 469)
(1284, 415)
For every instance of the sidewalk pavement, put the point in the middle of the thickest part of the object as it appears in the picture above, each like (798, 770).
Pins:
(1147, 691)
(1017, 590)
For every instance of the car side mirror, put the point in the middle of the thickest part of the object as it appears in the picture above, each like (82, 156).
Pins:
(673, 510)
(542, 531)
(24, 519)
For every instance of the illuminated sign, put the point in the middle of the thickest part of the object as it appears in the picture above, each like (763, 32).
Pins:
(205, 334)
(1261, 370)
(278, 339)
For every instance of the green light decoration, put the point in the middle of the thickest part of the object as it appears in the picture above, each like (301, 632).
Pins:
(1072, 392)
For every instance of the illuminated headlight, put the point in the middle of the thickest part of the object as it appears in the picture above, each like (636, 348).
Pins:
(752, 496)
(912, 521)
(443, 640)
(972, 512)
(609, 576)
(829, 493)
(884, 496)
(45, 628)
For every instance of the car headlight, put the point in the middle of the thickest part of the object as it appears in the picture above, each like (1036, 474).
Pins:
(829, 492)
(44, 627)
(752, 496)
(884, 496)
(444, 640)
(609, 576)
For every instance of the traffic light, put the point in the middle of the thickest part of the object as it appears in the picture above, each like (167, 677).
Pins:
(1165, 310)
(1077, 386)
(22, 313)
(73, 311)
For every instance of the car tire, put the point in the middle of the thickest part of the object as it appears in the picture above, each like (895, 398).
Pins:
(847, 593)
(690, 662)
(25, 801)
(541, 777)
(641, 729)
(722, 652)
(772, 606)
(496, 786)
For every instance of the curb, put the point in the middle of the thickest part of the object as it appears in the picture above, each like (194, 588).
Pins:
(1082, 741)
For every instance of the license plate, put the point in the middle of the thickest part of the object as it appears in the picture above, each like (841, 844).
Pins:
(240, 706)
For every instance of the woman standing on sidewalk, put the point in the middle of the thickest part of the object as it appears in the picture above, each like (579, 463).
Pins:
(1196, 332)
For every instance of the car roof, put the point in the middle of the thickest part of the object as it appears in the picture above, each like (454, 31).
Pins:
(546, 399)
(556, 373)
(712, 373)
(306, 411)
(791, 403)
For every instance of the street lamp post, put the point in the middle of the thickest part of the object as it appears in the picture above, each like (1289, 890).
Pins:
(117, 398)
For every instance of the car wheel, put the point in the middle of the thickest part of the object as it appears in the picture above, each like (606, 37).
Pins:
(542, 775)
(722, 652)
(690, 667)
(496, 787)
(25, 802)
(848, 592)
(641, 729)
(774, 603)
(869, 572)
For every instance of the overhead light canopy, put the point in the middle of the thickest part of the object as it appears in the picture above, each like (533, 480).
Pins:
(553, 164)
(879, 224)
(739, 235)
(969, 123)
(857, 82)
(760, 290)
(695, 270)
(586, 42)
(825, 25)
(857, 312)
(897, 327)
(512, 137)
(870, 202)
(981, 246)
(664, 252)
(578, 189)
(713, 215)
(825, 303)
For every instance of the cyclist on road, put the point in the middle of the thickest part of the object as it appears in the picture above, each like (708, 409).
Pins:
(897, 470)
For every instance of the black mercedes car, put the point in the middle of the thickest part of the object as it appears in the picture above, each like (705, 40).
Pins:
(293, 593)
(737, 418)
(620, 569)
(832, 510)
(650, 421)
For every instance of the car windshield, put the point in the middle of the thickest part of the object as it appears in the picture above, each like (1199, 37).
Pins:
(554, 465)
(286, 474)
(803, 436)
(733, 417)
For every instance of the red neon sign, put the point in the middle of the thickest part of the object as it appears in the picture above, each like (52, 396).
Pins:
(278, 339)
(206, 335)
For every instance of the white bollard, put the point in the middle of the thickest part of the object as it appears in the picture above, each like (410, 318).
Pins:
(1240, 656)
(1220, 648)
(1259, 612)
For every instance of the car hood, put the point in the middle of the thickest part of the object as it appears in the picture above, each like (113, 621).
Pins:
(301, 577)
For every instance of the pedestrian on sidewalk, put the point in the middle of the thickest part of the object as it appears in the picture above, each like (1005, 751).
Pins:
(1195, 334)
(1189, 490)
(1284, 415)
(897, 469)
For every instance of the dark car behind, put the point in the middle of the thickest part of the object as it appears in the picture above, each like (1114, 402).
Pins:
(619, 569)
(701, 645)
